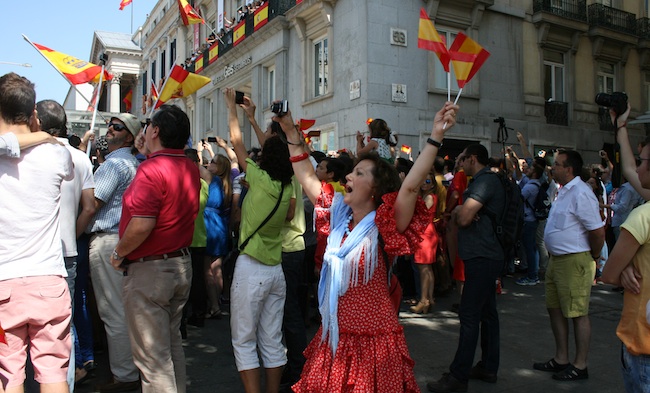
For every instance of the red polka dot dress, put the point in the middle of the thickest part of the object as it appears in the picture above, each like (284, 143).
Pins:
(372, 355)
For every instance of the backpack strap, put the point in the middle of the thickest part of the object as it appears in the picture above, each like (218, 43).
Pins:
(526, 200)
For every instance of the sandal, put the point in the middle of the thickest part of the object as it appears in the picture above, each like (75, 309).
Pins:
(571, 373)
(551, 365)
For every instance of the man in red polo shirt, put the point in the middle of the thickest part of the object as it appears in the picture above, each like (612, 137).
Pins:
(158, 212)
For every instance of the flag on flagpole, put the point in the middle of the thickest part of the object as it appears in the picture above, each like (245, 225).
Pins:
(181, 83)
(128, 100)
(75, 70)
(188, 14)
(467, 56)
(406, 149)
(124, 3)
(429, 39)
(154, 91)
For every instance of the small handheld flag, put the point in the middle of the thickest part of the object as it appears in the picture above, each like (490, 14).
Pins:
(406, 149)
(181, 83)
(467, 56)
(429, 39)
(128, 100)
(75, 70)
(188, 14)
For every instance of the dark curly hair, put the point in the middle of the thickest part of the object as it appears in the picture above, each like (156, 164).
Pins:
(386, 178)
(379, 129)
(275, 160)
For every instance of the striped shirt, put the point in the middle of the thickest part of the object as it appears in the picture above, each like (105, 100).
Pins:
(111, 180)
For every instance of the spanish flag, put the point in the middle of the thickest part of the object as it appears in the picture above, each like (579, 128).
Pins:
(198, 64)
(124, 3)
(467, 56)
(128, 100)
(261, 16)
(75, 70)
(406, 149)
(240, 33)
(429, 39)
(181, 83)
(188, 14)
(154, 91)
(213, 53)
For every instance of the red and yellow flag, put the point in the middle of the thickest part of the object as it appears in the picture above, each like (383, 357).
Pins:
(213, 53)
(239, 33)
(124, 3)
(188, 14)
(181, 83)
(261, 16)
(75, 70)
(128, 100)
(429, 39)
(154, 91)
(406, 149)
(467, 56)
(198, 64)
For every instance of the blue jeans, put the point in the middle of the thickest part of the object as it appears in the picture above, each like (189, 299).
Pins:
(293, 324)
(530, 246)
(83, 324)
(478, 312)
(636, 372)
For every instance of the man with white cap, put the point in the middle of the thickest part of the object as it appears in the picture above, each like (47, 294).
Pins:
(111, 180)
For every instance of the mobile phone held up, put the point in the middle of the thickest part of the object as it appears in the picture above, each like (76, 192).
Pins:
(239, 97)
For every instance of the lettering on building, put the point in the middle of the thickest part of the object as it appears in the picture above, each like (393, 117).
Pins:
(231, 69)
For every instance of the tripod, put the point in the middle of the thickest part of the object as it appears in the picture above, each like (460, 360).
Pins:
(502, 133)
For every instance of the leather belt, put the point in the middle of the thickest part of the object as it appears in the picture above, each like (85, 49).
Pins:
(173, 254)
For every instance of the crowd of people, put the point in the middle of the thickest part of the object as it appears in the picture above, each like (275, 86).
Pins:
(162, 235)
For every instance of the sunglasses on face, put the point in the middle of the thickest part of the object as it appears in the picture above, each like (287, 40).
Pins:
(117, 126)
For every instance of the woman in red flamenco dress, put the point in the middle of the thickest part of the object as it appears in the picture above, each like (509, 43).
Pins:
(360, 346)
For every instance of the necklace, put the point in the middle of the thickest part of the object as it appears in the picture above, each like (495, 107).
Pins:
(347, 224)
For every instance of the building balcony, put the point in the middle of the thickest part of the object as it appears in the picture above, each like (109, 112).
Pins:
(612, 18)
(643, 28)
(556, 112)
(569, 9)
(245, 28)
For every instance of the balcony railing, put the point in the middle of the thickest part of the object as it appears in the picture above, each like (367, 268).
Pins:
(643, 28)
(612, 18)
(570, 9)
(556, 112)
(239, 32)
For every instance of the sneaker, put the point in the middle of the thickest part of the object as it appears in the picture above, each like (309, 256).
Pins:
(527, 281)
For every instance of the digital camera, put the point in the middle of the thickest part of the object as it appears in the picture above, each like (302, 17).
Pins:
(616, 101)
(280, 108)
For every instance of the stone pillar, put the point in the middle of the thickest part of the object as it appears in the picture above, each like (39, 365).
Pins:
(115, 97)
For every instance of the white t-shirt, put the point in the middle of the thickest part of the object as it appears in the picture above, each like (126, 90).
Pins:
(71, 195)
(574, 213)
(30, 232)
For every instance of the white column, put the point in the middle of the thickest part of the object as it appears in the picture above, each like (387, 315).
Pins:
(114, 93)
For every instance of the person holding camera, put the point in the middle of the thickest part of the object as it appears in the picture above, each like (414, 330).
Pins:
(628, 265)
(258, 289)
(360, 345)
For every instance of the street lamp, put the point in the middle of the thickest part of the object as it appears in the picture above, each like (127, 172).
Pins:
(16, 64)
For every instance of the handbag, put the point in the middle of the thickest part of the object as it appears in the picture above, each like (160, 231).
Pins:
(229, 262)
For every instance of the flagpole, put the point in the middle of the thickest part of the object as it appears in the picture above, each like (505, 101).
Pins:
(59, 71)
(131, 18)
(162, 88)
(448, 85)
(92, 122)
(444, 126)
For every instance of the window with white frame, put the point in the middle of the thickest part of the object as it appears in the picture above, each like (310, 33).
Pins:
(320, 66)
(606, 78)
(328, 140)
(553, 76)
(441, 78)
(270, 85)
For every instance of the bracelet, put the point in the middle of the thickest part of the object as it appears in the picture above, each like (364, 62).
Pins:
(596, 258)
(299, 158)
(624, 125)
(434, 143)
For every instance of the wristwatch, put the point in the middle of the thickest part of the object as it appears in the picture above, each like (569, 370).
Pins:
(116, 256)
(434, 143)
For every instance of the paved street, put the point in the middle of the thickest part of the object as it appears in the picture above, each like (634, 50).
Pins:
(525, 338)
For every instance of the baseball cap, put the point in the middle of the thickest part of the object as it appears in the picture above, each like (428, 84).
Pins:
(131, 122)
